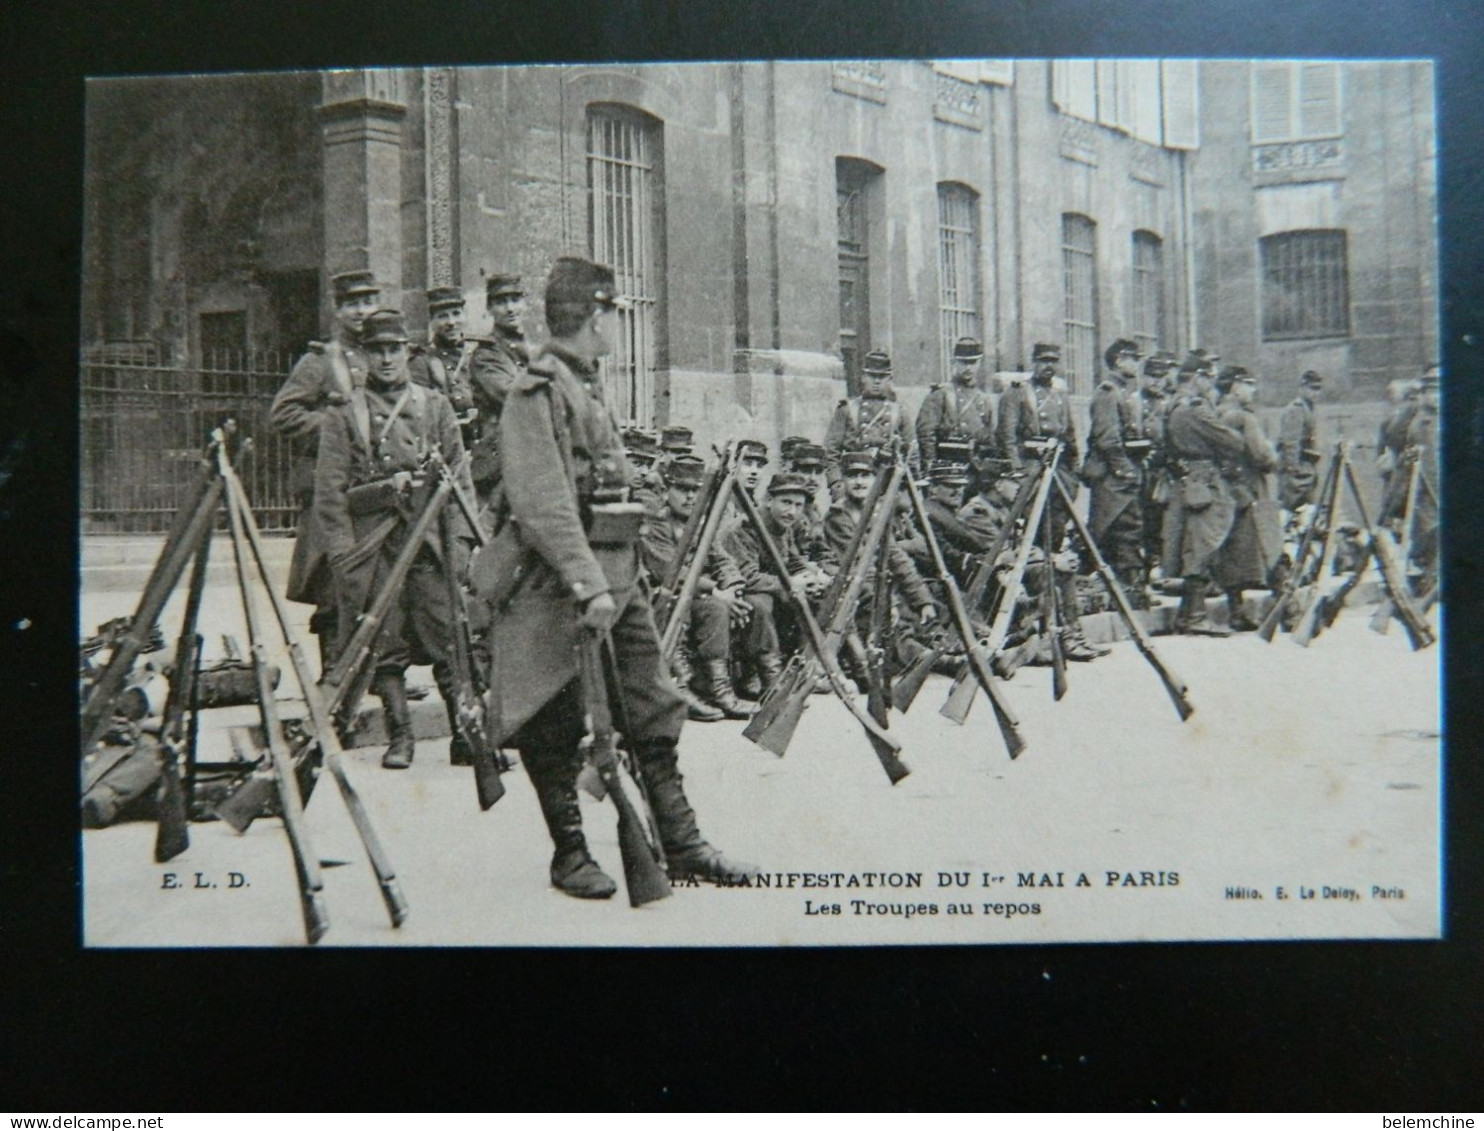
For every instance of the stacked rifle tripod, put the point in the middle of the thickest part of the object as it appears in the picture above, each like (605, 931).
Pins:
(280, 779)
(833, 626)
(1303, 589)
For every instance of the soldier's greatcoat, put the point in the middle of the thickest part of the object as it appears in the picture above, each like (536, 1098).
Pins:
(952, 409)
(368, 442)
(1199, 515)
(322, 379)
(1114, 519)
(446, 369)
(863, 424)
(558, 444)
(840, 526)
(498, 363)
(1255, 543)
(1035, 410)
(1297, 454)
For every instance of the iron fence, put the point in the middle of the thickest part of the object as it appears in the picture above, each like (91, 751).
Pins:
(146, 421)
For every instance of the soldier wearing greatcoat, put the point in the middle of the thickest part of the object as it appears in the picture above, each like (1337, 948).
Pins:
(1255, 543)
(1298, 451)
(1112, 471)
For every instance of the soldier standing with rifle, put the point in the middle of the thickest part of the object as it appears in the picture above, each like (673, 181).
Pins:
(718, 603)
(1114, 515)
(1255, 543)
(960, 408)
(322, 379)
(1422, 445)
(368, 485)
(1199, 516)
(869, 422)
(1150, 413)
(1298, 449)
(1034, 413)
(577, 572)
(499, 361)
(442, 362)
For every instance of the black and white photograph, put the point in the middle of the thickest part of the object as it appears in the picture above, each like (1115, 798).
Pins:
(762, 504)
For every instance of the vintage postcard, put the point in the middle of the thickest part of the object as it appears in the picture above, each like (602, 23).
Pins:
(999, 499)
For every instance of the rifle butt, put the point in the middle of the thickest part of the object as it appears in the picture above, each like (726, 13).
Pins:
(487, 783)
(895, 768)
(172, 832)
(396, 902)
(1179, 693)
(960, 698)
(909, 683)
(644, 879)
(316, 914)
(778, 717)
(247, 802)
(1058, 668)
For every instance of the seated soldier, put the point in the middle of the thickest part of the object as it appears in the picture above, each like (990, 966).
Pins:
(642, 447)
(809, 461)
(858, 472)
(718, 602)
(770, 629)
(961, 543)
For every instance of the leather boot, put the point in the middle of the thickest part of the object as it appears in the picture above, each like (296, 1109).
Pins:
(1237, 612)
(553, 775)
(718, 682)
(687, 853)
(1077, 639)
(695, 710)
(1192, 618)
(1134, 588)
(769, 668)
(459, 753)
(391, 689)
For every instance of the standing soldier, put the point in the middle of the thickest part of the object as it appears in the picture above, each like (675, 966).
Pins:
(1114, 518)
(1037, 412)
(1422, 445)
(442, 362)
(367, 487)
(1255, 543)
(322, 379)
(562, 468)
(1199, 515)
(1391, 447)
(959, 408)
(1298, 453)
(1151, 410)
(717, 605)
(869, 422)
(499, 362)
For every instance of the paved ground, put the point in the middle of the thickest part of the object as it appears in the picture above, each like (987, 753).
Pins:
(1307, 769)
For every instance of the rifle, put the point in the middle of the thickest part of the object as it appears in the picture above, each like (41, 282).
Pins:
(878, 675)
(678, 589)
(306, 864)
(1304, 629)
(469, 713)
(785, 703)
(1176, 687)
(961, 696)
(320, 715)
(1419, 632)
(1381, 620)
(1050, 614)
(643, 874)
(976, 658)
(1290, 584)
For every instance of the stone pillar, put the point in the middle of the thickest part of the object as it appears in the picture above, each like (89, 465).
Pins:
(362, 113)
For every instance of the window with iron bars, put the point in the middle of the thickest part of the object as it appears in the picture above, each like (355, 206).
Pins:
(1148, 305)
(625, 190)
(1080, 299)
(1305, 285)
(958, 266)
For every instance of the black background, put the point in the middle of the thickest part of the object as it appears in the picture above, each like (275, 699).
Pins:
(1360, 1026)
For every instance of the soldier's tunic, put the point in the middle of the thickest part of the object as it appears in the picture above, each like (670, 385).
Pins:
(1255, 543)
(840, 525)
(446, 369)
(961, 541)
(1199, 515)
(1422, 435)
(952, 409)
(709, 625)
(1033, 410)
(389, 431)
(559, 443)
(1392, 447)
(867, 424)
(1297, 454)
(1155, 488)
(771, 621)
(1113, 518)
(322, 379)
(498, 364)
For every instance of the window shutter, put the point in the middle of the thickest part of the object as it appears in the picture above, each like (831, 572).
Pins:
(1074, 87)
(1319, 100)
(1272, 98)
(1138, 85)
(999, 71)
(1108, 108)
(1181, 96)
(965, 69)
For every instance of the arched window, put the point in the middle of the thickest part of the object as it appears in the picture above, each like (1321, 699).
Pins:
(857, 192)
(1080, 301)
(958, 266)
(625, 176)
(1305, 284)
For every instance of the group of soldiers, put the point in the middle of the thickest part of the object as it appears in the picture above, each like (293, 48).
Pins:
(1177, 464)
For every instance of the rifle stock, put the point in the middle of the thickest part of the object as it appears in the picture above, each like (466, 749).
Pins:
(909, 681)
(172, 834)
(696, 541)
(644, 878)
(778, 715)
(1419, 632)
(1050, 617)
(1281, 600)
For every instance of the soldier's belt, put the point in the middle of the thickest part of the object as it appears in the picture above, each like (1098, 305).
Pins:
(382, 495)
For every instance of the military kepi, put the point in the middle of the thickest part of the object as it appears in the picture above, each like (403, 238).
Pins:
(384, 326)
(877, 363)
(967, 349)
(349, 284)
(444, 298)
(1046, 351)
(787, 482)
(499, 285)
(576, 282)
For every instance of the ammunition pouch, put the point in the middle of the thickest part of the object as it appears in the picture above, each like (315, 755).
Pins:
(1199, 485)
(614, 524)
(372, 498)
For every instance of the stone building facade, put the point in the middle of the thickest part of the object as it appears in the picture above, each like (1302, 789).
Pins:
(774, 221)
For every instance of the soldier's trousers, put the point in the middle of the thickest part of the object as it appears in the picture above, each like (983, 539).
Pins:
(709, 631)
(1119, 537)
(419, 625)
(771, 626)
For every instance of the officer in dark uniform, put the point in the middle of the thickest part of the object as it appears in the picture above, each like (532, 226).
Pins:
(321, 379)
(959, 408)
(1114, 517)
(718, 603)
(498, 363)
(869, 422)
(1201, 508)
(562, 467)
(1298, 451)
(367, 486)
(442, 362)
